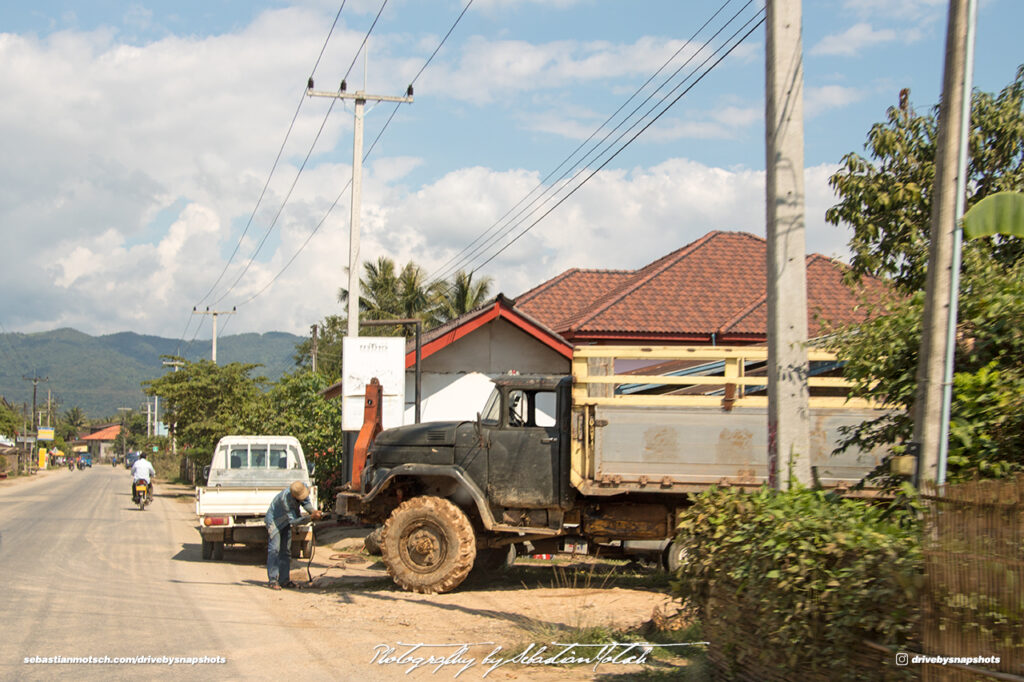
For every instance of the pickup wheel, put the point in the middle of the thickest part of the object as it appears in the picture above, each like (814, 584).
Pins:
(207, 549)
(218, 551)
(428, 545)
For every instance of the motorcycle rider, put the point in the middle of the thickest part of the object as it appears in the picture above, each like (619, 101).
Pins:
(143, 470)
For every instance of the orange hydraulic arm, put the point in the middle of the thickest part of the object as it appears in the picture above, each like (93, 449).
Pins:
(372, 413)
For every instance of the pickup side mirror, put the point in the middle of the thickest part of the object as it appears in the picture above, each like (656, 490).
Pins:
(206, 472)
(312, 469)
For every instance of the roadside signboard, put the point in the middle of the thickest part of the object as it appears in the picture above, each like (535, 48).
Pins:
(364, 358)
(45, 433)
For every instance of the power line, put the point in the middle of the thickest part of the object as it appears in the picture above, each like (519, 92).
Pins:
(266, 184)
(638, 133)
(337, 199)
(298, 173)
(445, 270)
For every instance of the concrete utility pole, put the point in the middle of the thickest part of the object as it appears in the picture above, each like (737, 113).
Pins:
(930, 424)
(360, 98)
(313, 347)
(214, 313)
(788, 411)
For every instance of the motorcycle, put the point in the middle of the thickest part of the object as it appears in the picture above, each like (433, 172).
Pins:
(142, 496)
(71, 466)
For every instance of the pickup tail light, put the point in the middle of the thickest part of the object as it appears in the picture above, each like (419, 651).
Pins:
(216, 520)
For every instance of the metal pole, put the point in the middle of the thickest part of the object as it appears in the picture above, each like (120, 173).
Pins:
(961, 197)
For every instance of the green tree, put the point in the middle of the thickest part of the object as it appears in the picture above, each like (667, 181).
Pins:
(886, 199)
(387, 294)
(72, 423)
(206, 402)
(294, 406)
(887, 205)
(458, 297)
(10, 420)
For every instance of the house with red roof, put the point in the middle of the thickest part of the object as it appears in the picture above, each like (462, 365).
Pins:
(710, 292)
(101, 442)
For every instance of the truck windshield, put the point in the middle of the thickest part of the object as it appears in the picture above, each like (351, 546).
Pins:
(259, 457)
(492, 409)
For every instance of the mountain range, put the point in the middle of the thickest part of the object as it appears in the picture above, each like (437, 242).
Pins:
(99, 374)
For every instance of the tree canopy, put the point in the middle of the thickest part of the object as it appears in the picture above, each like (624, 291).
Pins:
(886, 203)
(886, 198)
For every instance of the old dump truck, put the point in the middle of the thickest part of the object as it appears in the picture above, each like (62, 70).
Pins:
(601, 459)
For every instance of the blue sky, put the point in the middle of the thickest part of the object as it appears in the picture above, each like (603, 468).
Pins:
(139, 136)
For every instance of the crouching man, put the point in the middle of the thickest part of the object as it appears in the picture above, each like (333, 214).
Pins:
(284, 512)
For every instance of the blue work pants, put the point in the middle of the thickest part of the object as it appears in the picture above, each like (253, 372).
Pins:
(279, 553)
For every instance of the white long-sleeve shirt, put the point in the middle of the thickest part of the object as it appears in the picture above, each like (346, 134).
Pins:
(143, 469)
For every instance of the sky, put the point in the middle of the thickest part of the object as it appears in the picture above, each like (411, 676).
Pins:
(161, 156)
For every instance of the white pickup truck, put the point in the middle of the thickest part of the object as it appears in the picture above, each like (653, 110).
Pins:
(244, 476)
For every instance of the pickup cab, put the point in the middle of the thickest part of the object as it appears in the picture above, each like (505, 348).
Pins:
(245, 474)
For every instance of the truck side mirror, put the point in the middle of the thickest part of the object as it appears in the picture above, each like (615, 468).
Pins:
(206, 472)
(312, 469)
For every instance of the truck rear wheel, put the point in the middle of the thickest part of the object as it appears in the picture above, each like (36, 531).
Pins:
(207, 549)
(428, 545)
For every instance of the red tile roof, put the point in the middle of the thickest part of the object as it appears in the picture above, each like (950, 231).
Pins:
(109, 433)
(713, 286)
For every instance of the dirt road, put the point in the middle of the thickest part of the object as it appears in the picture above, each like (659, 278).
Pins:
(86, 574)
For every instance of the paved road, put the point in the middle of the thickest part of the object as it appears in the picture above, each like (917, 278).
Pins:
(84, 573)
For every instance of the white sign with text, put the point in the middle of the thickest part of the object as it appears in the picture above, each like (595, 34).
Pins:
(366, 357)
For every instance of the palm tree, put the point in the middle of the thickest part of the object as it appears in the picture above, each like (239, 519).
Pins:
(458, 297)
(386, 295)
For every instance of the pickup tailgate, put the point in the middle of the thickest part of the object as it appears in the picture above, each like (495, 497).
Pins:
(238, 501)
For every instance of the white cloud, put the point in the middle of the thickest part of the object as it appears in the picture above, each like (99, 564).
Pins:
(820, 99)
(850, 42)
(901, 9)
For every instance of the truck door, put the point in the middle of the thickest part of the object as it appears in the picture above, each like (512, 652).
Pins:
(523, 455)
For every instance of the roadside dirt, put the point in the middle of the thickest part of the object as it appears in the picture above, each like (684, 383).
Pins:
(475, 632)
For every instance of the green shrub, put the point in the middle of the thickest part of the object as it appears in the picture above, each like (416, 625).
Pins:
(797, 580)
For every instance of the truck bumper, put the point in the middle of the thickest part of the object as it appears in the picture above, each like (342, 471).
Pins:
(348, 504)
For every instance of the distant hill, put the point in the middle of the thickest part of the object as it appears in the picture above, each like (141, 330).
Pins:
(102, 373)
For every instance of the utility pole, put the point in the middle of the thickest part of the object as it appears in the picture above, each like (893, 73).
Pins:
(939, 318)
(361, 98)
(35, 384)
(788, 409)
(313, 349)
(173, 426)
(214, 313)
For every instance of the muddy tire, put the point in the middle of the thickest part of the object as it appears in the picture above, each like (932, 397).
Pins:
(428, 545)
(372, 542)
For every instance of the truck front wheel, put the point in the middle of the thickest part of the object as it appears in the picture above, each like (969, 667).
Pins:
(428, 545)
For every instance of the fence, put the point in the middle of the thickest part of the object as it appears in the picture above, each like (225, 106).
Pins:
(974, 567)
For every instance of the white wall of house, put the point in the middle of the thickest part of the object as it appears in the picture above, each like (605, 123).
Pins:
(456, 380)
(447, 396)
(496, 348)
